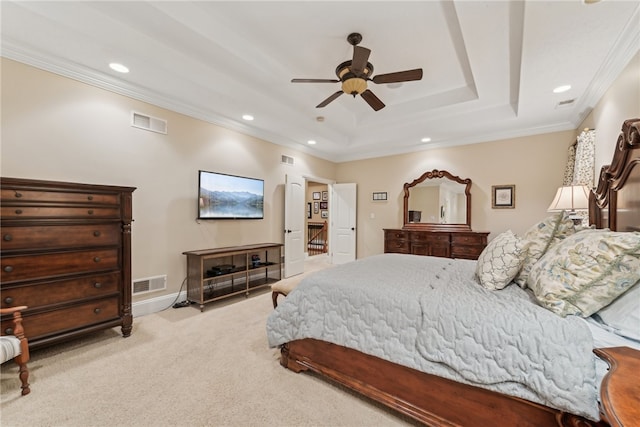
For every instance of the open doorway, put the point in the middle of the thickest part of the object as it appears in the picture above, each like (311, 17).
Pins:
(317, 219)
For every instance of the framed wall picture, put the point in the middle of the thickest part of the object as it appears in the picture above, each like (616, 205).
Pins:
(325, 195)
(324, 205)
(379, 195)
(325, 214)
(316, 207)
(503, 196)
(309, 210)
(316, 195)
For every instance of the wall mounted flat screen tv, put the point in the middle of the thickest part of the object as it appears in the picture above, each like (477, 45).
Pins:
(222, 196)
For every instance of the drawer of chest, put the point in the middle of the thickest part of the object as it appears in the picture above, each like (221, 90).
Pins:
(10, 195)
(467, 252)
(49, 212)
(397, 246)
(60, 236)
(395, 234)
(432, 237)
(468, 239)
(56, 292)
(39, 325)
(28, 267)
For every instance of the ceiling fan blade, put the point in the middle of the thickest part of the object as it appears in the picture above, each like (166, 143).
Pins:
(360, 58)
(400, 76)
(329, 99)
(314, 81)
(372, 100)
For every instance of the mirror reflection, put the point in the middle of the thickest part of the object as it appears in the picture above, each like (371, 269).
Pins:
(439, 201)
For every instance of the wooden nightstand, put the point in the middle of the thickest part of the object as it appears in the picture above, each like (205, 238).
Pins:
(620, 391)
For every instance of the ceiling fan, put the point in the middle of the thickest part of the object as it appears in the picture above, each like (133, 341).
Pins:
(355, 73)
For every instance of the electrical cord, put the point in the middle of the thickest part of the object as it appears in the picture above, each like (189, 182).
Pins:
(175, 303)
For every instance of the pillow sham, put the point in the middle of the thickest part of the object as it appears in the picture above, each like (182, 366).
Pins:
(501, 260)
(541, 236)
(623, 314)
(586, 271)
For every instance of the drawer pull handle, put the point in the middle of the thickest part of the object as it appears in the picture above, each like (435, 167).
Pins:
(8, 301)
(96, 259)
(97, 285)
(8, 269)
(18, 211)
(7, 237)
(96, 233)
(90, 198)
(97, 310)
(90, 211)
(8, 331)
(18, 194)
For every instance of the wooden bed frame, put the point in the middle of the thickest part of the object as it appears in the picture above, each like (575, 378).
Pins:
(435, 401)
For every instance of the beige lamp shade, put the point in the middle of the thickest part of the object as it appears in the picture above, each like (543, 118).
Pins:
(570, 198)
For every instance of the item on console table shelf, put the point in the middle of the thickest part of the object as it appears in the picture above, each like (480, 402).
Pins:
(66, 254)
(213, 274)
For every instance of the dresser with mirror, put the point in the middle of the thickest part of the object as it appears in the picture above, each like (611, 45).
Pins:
(437, 219)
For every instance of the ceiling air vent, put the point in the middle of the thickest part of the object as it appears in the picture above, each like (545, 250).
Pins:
(565, 103)
(143, 121)
(150, 284)
(287, 160)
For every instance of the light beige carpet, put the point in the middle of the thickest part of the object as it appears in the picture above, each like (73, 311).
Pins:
(181, 367)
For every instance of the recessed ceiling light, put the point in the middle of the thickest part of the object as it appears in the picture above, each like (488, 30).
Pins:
(311, 142)
(425, 140)
(247, 117)
(118, 67)
(561, 89)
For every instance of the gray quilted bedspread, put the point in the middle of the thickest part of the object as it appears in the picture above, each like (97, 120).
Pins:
(431, 314)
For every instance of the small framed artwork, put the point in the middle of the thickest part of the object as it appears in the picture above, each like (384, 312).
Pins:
(325, 214)
(316, 195)
(316, 207)
(379, 195)
(503, 196)
(324, 205)
(325, 195)
(309, 210)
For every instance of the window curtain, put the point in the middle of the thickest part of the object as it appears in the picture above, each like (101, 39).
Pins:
(580, 169)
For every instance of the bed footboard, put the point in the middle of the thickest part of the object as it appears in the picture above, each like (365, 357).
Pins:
(429, 399)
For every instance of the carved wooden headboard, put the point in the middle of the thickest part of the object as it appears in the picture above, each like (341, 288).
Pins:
(615, 202)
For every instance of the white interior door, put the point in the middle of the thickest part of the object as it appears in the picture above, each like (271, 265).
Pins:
(294, 214)
(342, 204)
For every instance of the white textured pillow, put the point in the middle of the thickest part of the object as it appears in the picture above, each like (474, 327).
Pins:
(542, 236)
(501, 260)
(586, 271)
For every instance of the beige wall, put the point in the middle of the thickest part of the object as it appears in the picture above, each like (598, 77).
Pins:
(620, 102)
(535, 165)
(55, 128)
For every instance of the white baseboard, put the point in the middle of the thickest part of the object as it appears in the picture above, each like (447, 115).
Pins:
(153, 305)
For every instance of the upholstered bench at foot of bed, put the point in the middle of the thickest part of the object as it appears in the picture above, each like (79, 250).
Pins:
(282, 287)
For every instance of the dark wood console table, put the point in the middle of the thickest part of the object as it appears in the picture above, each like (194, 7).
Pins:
(213, 274)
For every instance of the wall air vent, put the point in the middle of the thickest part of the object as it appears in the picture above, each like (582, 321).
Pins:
(566, 103)
(143, 121)
(287, 160)
(149, 284)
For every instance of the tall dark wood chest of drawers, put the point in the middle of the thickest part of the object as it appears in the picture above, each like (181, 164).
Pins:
(66, 254)
(447, 244)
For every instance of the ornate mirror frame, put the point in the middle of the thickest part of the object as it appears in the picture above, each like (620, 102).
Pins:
(436, 226)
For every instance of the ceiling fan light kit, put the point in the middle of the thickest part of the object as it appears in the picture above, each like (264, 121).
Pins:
(355, 73)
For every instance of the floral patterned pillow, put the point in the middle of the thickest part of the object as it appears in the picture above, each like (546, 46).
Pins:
(542, 236)
(501, 260)
(586, 271)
